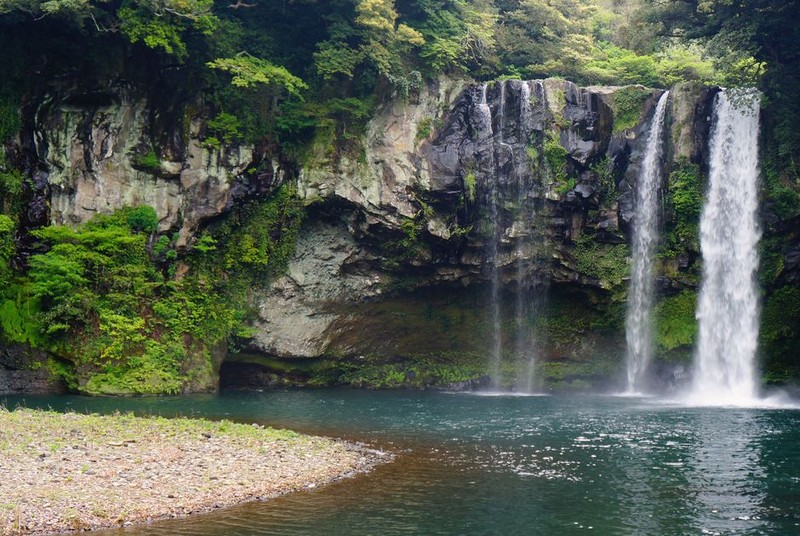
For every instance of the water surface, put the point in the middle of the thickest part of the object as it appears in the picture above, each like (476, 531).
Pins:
(511, 465)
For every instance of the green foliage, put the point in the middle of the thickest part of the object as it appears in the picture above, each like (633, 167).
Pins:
(8, 250)
(256, 241)
(555, 156)
(225, 126)
(607, 263)
(333, 59)
(424, 129)
(770, 254)
(565, 187)
(10, 191)
(627, 104)
(154, 369)
(459, 38)
(155, 32)
(408, 246)
(249, 71)
(350, 115)
(679, 63)
(780, 329)
(400, 375)
(470, 185)
(603, 170)
(148, 161)
(580, 373)
(780, 319)
(783, 190)
(676, 325)
(97, 300)
(611, 63)
(685, 202)
(142, 219)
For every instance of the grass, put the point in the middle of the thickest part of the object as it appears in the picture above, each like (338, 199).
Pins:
(51, 429)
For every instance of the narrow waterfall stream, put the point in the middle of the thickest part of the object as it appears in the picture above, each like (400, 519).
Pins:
(493, 250)
(531, 292)
(524, 344)
(724, 370)
(638, 331)
(506, 116)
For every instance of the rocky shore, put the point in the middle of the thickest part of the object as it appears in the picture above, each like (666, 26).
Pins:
(74, 472)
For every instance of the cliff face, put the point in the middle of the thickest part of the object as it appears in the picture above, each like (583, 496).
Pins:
(94, 151)
(516, 195)
(530, 183)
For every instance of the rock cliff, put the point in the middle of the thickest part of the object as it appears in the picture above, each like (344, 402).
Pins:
(527, 181)
(523, 189)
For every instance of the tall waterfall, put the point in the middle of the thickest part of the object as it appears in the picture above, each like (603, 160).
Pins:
(530, 294)
(504, 121)
(492, 254)
(645, 236)
(724, 371)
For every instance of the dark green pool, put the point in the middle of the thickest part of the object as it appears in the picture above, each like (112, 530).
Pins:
(470, 464)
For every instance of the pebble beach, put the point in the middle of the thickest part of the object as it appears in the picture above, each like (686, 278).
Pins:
(73, 472)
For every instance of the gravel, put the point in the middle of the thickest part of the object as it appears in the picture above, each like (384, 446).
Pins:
(71, 472)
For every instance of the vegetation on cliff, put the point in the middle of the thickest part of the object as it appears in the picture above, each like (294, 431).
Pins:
(128, 311)
(106, 299)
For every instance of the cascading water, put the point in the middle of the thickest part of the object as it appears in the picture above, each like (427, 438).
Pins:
(645, 236)
(724, 371)
(529, 295)
(492, 253)
(507, 119)
(523, 345)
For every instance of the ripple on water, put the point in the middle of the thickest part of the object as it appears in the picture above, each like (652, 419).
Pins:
(513, 465)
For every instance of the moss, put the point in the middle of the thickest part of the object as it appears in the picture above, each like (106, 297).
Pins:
(148, 161)
(373, 372)
(424, 129)
(409, 375)
(770, 253)
(586, 372)
(533, 154)
(627, 104)
(10, 191)
(470, 185)
(555, 156)
(603, 170)
(559, 101)
(676, 325)
(780, 327)
(256, 240)
(684, 204)
(783, 190)
(565, 187)
(607, 263)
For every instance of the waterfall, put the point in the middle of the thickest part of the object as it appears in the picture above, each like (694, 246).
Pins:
(724, 371)
(530, 295)
(523, 342)
(493, 252)
(638, 326)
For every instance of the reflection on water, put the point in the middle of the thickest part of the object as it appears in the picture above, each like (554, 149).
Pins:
(514, 465)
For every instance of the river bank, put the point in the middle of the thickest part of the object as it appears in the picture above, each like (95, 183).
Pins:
(72, 472)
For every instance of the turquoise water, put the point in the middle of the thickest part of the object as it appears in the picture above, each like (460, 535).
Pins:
(470, 464)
